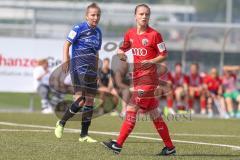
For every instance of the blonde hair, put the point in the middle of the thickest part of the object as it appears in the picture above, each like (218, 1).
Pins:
(93, 5)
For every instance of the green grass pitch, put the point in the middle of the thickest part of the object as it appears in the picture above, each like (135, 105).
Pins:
(31, 136)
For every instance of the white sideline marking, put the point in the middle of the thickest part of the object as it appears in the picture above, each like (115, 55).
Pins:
(192, 135)
(185, 134)
(206, 135)
(134, 133)
(24, 130)
(116, 134)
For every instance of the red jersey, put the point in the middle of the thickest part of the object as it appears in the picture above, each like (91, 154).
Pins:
(213, 84)
(195, 80)
(167, 77)
(179, 79)
(144, 47)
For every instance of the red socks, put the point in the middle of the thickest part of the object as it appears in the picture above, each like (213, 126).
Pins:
(169, 102)
(203, 103)
(162, 129)
(127, 127)
(129, 124)
(190, 103)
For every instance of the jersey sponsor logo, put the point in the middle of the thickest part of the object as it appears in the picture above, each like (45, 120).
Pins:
(161, 47)
(139, 52)
(92, 41)
(144, 41)
(72, 34)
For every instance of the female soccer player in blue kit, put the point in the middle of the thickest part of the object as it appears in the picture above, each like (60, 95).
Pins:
(86, 40)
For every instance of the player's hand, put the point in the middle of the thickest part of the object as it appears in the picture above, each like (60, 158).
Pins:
(146, 64)
(65, 67)
(122, 57)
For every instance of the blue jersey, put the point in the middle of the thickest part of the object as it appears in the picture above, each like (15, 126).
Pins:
(86, 42)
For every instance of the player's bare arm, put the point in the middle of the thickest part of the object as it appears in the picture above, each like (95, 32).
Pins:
(97, 58)
(121, 55)
(231, 68)
(110, 84)
(158, 59)
(66, 57)
(119, 82)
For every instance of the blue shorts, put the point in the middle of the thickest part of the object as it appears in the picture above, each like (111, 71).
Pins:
(84, 82)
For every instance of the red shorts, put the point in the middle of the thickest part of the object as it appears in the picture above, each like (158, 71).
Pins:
(197, 94)
(144, 97)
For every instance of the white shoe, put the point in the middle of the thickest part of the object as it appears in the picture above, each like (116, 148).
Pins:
(226, 116)
(122, 114)
(210, 114)
(171, 111)
(203, 111)
(192, 111)
(47, 111)
(114, 113)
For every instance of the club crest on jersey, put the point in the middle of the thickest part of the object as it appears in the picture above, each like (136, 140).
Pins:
(144, 41)
(140, 92)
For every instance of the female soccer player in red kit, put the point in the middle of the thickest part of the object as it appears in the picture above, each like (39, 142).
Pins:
(148, 50)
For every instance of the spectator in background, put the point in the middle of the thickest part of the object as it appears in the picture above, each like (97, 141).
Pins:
(231, 92)
(235, 69)
(123, 82)
(213, 86)
(165, 88)
(195, 90)
(180, 87)
(41, 76)
(105, 86)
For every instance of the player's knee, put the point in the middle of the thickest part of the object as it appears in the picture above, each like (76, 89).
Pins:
(89, 101)
(155, 114)
(132, 108)
(74, 108)
(228, 100)
(209, 100)
(131, 117)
